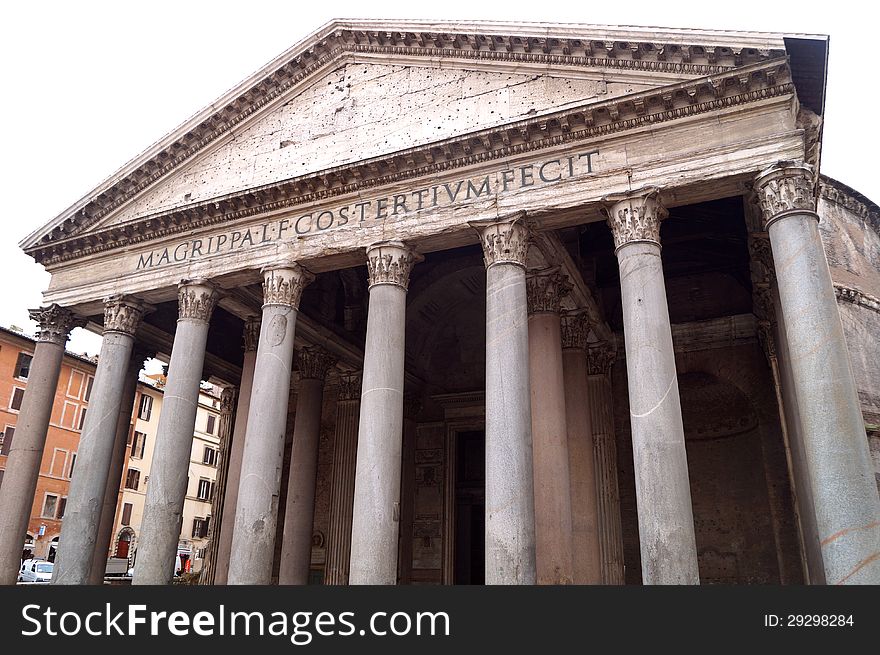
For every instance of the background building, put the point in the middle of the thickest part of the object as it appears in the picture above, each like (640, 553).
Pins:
(204, 459)
(59, 456)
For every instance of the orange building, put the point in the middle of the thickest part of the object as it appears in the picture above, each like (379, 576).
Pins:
(62, 441)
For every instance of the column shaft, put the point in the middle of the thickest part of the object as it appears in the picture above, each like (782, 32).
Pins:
(510, 500)
(26, 453)
(114, 478)
(299, 515)
(218, 501)
(233, 472)
(253, 539)
(663, 496)
(586, 558)
(605, 457)
(342, 481)
(85, 500)
(552, 482)
(169, 470)
(844, 491)
(376, 517)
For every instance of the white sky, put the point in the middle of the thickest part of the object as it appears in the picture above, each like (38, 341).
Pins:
(89, 85)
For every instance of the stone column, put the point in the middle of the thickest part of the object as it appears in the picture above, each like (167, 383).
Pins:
(586, 558)
(85, 500)
(253, 539)
(510, 501)
(376, 517)
(835, 444)
(599, 360)
(169, 470)
(208, 573)
(32, 425)
(299, 515)
(117, 464)
(553, 557)
(663, 495)
(342, 479)
(233, 472)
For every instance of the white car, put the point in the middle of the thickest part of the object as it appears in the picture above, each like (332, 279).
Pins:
(35, 570)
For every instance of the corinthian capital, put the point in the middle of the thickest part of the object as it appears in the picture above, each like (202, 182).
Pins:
(283, 284)
(55, 323)
(600, 358)
(251, 334)
(390, 262)
(545, 290)
(314, 362)
(785, 187)
(196, 299)
(123, 314)
(504, 242)
(350, 386)
(635, 217)
(576, 326)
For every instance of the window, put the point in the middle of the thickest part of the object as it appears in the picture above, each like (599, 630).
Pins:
(72, 462)
(82, 417)
(58, 463)
(50, 506)
(17, 398)
(68, 415)
(146, 407)
(7, 440)
(62, 505)
(126, 513)
(206, 487)
(138, 442)
(75, 384)
(23, 366)
(210, 456)
(200, 527)
(132, 478)
(209, 428)
(88, 393)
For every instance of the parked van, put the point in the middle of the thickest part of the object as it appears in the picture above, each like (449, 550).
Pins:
(35, 570)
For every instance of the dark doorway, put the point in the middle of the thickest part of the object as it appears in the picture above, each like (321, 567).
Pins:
(470, 507)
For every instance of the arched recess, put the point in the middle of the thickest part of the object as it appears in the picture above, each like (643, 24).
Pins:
(744, 515)
(124, 542)
(446, 326)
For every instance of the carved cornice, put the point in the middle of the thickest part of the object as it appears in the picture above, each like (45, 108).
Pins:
(786, 187)
(596, 120)
(349, 386)
(284, 284)
(123, 314)
(635, 217)
(504, 242)
(390, 262)
(55, 323)
(251, 334)
(576, 326)
(196, 300)
(313, 363)
(856, 297)
(545, 291)
(600, 358)
(851, 200)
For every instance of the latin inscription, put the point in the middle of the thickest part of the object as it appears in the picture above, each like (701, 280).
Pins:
(394, 207)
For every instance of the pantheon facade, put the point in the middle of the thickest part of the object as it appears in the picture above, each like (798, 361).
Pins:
(492, 303)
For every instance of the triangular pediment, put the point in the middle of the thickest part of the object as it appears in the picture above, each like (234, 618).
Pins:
(360, 91)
